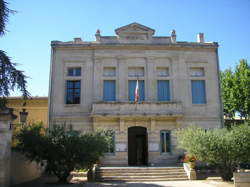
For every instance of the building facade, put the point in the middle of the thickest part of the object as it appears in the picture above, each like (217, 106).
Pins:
(37, 108)
(92, 86)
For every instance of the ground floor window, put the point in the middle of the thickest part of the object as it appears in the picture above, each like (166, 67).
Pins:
(165, 141)
(111, 141)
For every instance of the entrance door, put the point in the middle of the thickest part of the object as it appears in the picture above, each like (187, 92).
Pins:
(137, 146)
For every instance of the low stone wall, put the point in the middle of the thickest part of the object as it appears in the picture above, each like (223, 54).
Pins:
(242, 179)
(191, 173)
(22, 170)
(6, 116)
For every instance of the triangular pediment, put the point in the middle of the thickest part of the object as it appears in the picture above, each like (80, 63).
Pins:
(134, 28)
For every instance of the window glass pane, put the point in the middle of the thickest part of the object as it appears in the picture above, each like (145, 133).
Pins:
(70, 72)
(109, 71)
(74, 71)
(197, 72)
(165, 141)
(163, 90)
(109, 90)
(162, 72)
(162, 142)
(73, 91)
(198, 92)
(136, 72)
(132, 86)
(110, 134)
(78, 72)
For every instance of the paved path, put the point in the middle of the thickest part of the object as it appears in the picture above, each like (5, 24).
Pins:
(202, 183)
(50, 182)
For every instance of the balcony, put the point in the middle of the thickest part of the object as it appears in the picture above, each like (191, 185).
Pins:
(123, 109)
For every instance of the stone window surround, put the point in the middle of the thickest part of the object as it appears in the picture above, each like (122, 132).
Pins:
(72, 64)
(197, 64)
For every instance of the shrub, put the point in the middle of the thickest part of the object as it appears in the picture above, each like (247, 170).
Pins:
(62, 150)
(226, 149)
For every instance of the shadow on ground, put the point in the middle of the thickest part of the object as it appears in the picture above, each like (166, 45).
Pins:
(48, 181)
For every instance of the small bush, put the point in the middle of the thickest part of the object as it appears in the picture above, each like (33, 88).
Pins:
(62, 150)
(223, 148)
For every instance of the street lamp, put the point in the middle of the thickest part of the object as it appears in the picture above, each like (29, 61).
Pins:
(23, 116)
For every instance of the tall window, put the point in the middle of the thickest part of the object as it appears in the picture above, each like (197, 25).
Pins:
(198, 92)
(75, 72)
(165, 141)
(163, 91)
(109, 90)
(73, 91)
(132, 86)
(110, 134)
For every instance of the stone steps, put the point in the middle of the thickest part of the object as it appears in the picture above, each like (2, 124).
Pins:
(134, 174)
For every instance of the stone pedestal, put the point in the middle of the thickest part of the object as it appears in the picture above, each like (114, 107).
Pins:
(6, 117)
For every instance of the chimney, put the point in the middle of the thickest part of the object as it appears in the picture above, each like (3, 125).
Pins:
(77, 40)
(200, 38)
(173, 36)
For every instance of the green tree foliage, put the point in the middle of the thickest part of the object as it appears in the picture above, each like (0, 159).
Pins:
(61, 150)
(236, 90)
(242, 88)
(226, 149)
(10, 77)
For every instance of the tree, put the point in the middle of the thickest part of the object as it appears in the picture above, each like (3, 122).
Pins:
(61, 150)
(10, 77)
(242, 88)
(225, 149)
(236, 90)
(228, 93)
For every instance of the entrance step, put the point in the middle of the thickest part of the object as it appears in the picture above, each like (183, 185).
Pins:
(136, 174)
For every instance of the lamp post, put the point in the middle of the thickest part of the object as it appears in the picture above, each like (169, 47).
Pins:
(23, 116)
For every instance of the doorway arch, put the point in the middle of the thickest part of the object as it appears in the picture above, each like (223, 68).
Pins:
(137, 146)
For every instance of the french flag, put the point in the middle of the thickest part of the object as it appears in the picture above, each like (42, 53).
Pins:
(137, 92)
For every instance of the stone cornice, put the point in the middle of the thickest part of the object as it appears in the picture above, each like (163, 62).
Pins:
(94, 45)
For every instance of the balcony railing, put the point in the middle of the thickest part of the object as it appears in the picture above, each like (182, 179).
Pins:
(124, 108)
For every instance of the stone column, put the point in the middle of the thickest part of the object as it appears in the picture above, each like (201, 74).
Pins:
(6, 116)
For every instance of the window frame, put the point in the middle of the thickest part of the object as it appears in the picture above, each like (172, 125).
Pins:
(74, 71)
(205, 92)
(169, 90)
(74, 92)
(104, 91)
(113, 141)
(170, 143)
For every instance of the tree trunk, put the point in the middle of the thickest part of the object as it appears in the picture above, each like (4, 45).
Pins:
(226, 173)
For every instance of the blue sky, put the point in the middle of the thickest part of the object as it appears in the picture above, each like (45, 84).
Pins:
(37, 23)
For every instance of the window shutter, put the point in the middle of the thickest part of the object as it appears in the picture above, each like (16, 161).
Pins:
(198, 92)
(163, 90)
(109, 90)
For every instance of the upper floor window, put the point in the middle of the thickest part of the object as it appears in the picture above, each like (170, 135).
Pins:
(198, 91)
(197, 72)
(163, 91)
(109, 71)
(136, 72)
(109, 90)
(73, 91)
(165, 141)
(162, 72)
(132, 90)
(75, 72)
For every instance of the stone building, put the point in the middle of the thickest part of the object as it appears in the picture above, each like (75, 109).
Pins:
(92, 85)
(37, 108)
